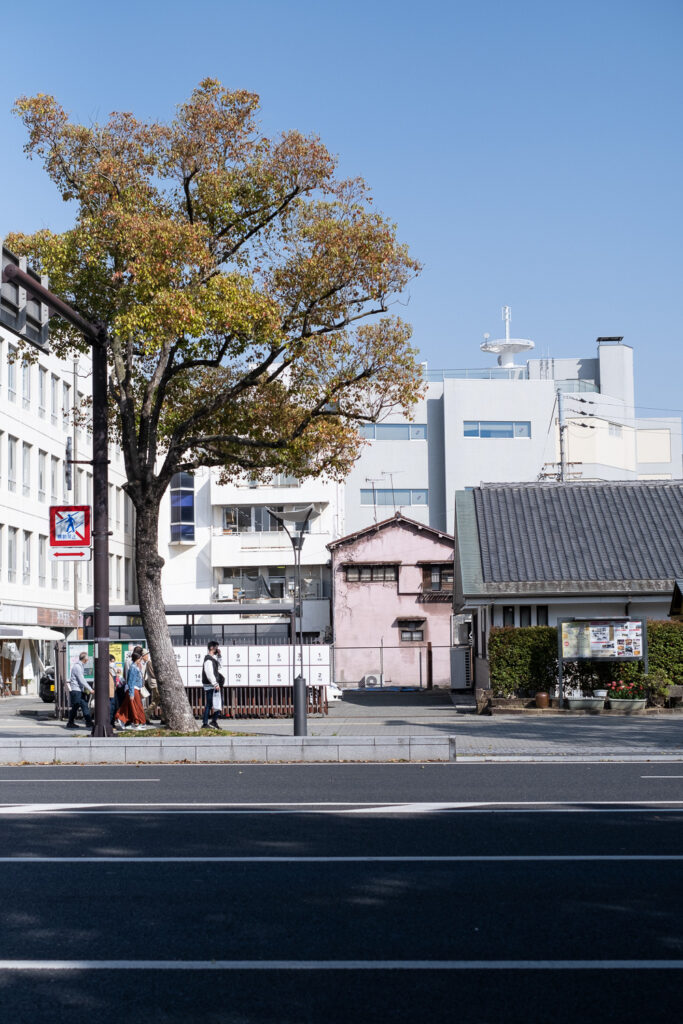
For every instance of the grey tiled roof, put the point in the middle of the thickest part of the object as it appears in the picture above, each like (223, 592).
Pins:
(580, 531)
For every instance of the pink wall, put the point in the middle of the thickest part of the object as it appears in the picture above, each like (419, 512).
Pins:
(366, 613)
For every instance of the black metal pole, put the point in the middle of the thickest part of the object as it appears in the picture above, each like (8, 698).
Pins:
(96, 334)
(100, 455)
(300, 701)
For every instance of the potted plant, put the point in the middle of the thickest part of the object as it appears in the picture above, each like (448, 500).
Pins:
(583, 702)
(627, 697)
(659, 685)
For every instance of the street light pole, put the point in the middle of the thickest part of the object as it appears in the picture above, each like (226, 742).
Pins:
(96, 334)
(303, 516)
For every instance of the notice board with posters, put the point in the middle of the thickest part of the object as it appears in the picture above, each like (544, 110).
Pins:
(600, 640)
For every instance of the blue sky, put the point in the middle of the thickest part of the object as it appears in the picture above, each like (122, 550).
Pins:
(530, 152)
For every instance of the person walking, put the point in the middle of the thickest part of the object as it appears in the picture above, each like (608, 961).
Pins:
(150, 681)
(116, 687)
(212, 680)
(131, 712)
(78, 687)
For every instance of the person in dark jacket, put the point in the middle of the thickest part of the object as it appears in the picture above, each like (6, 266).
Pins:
(212, 680)
(78, 687)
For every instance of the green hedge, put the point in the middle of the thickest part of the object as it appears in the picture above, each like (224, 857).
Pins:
(524, 660)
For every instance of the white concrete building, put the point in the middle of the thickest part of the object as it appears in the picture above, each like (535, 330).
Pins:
(225, 548)
(502, 424)
(37, 395)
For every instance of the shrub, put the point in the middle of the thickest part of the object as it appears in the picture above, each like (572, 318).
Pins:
(522, 659)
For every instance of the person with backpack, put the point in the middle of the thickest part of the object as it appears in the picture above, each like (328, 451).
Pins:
(212, 680)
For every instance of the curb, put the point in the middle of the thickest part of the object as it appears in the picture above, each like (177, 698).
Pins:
(236, 749)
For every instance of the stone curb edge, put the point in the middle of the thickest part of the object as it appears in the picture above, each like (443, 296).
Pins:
(270, 749)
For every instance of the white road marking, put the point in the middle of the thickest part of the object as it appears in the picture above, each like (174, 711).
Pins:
(35, 782)
(497, 807)
(562, 858)
(661, 776)
(341, 965)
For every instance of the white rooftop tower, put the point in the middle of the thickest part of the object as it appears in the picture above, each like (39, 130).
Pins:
(505, 348)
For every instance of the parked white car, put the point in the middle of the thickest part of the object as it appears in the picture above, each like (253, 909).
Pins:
(334, 692)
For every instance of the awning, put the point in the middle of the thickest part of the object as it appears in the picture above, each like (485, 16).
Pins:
(10, 632)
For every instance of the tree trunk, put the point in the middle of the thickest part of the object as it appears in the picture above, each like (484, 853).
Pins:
(175, 705)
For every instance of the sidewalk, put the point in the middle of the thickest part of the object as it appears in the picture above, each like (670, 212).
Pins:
(384, 725)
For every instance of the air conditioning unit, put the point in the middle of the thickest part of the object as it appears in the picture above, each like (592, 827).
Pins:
(226, 591)
(373, 680)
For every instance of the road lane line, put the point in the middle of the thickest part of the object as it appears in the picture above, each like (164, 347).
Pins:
(40, 782)
(560, 858)
(661, 776)
(634, 806)
(341, 965)
(255, 810)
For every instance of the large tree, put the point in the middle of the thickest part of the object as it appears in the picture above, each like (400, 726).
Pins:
(246, 289)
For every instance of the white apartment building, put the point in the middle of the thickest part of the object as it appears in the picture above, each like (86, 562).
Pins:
(502, 424)
(37, 396)
(225, 548)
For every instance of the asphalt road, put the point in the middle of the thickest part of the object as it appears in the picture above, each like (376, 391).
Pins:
(335, 893)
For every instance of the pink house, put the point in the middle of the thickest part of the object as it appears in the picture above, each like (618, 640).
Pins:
(392, 593)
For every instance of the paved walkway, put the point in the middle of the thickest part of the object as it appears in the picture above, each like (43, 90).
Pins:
(423, 714)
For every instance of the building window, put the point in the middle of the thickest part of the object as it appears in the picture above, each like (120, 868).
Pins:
(285, 480)
(118, 575)
(66, 576)
(371, 573)
(182, 508)
(437, 578)
(615, 430)
(508, 615)
(42, 475)
(26, 576)
(525, 615)
(393, 431)
(12, 533)
(253, 519)
(26, 384)
(393, 496)
(42, 391)
(541, 614)
(42, 560)
(11, 373)
(497, 428)
(54, 477)
(66, 404)
(11, 463)
(54, 574)
(54, 384)
(26, 469)
(411, 629)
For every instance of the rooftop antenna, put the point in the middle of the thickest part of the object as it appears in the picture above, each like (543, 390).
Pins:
(506, 348)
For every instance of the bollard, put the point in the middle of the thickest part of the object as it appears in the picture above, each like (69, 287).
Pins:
(300, 706)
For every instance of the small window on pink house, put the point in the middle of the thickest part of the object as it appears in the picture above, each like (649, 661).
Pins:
(411, 629)
(371, 573)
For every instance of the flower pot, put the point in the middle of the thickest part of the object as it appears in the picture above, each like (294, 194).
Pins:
(585, 703)
(627, 706)
(542, 700)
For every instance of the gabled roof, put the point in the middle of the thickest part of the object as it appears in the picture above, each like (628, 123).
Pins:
(544, 537)
(398, 519)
